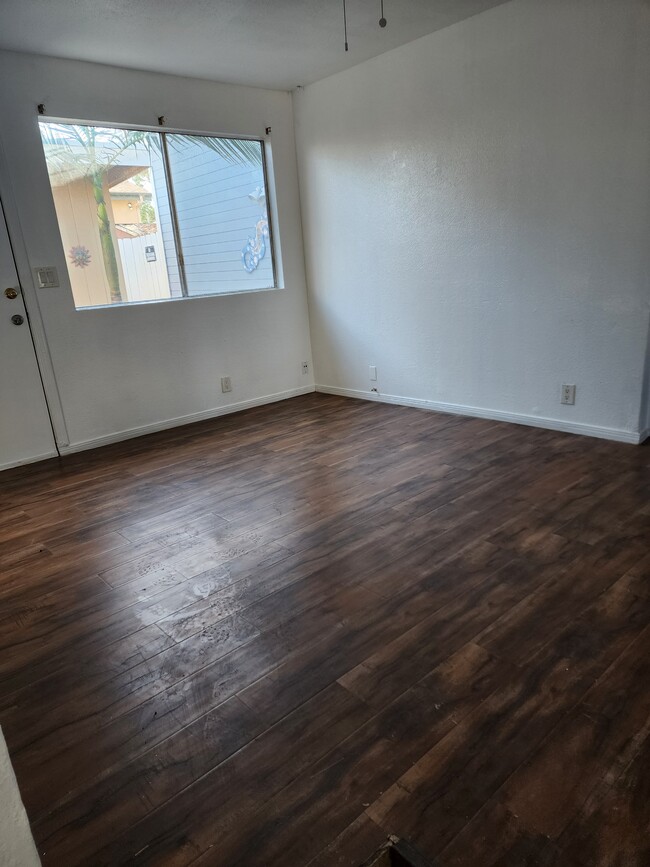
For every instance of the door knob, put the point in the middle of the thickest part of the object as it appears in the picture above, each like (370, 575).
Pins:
(17, 319)
(11, 293)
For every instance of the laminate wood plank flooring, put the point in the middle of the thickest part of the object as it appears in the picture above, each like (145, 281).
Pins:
(282, 635)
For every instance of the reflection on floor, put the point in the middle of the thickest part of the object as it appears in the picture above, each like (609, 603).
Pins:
(278, 637)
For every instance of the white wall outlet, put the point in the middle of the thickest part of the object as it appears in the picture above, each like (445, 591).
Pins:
(305, 368)
(372, 370)
(568, 395)
(226, 384)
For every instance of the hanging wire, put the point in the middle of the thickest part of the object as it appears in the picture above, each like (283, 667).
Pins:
(382, 20)
(345, 25)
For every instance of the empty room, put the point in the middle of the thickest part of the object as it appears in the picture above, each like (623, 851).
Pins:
(324, 418)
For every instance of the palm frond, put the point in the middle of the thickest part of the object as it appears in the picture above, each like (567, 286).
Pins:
(233, 150)
(102, 146)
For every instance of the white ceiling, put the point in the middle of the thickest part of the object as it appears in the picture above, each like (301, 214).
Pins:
(269, 43)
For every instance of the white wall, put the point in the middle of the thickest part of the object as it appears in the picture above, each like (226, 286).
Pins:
(125, 369)
(476, 213)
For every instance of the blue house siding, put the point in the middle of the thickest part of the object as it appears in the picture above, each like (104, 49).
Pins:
(216, 218)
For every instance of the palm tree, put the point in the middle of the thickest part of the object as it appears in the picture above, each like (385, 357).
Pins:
(74, 151)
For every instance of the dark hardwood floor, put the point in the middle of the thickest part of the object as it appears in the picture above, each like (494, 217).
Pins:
(277, 637)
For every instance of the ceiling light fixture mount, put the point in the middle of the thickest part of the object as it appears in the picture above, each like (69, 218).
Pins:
(382, 21)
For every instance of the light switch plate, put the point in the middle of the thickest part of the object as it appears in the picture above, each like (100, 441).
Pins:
(47, 277)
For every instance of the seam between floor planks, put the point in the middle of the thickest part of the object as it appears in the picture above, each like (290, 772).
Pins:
(403, 504)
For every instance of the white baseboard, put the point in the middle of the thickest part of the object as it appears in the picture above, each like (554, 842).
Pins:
(131, 433)
(25, 461)
(436, 406)
(606, 433)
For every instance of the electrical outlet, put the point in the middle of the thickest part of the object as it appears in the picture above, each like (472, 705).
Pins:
(305, 368)
(568, 395)
(226, 384)
(372, 372)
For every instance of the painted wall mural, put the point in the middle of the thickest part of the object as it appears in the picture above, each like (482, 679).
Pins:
(255, 249)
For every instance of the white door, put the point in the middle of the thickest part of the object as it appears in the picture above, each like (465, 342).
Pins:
(25, 430)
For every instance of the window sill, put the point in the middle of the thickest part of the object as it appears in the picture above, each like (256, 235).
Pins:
(126, 304)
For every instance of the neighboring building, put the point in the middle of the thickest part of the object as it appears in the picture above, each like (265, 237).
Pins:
(221, 208)
(142, 276)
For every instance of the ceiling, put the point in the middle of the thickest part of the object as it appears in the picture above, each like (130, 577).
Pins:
(269, 43)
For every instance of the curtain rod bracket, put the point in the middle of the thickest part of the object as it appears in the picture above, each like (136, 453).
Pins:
(268, 130)
(162, 120)
(41, 108)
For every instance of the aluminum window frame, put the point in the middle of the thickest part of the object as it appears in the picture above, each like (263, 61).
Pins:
(169, 184)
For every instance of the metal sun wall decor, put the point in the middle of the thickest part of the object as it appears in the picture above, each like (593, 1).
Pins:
(255, 249)
(80, 256)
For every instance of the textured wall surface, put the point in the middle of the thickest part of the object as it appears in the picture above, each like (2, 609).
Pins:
(476, 212)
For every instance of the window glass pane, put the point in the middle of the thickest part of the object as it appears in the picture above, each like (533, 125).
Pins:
(113, 211)
(222, 213)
